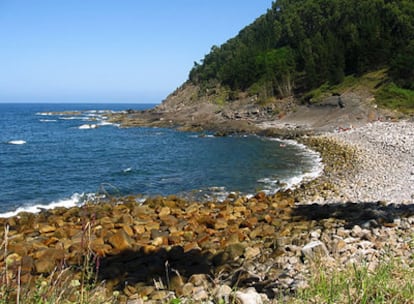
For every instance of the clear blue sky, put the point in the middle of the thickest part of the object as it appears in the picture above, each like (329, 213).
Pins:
(110, 50)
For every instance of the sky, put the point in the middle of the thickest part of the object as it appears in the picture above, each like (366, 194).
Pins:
(110, 50)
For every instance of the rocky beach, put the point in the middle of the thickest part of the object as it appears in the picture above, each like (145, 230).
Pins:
(387, 162)
(279, 170)
(259, 249)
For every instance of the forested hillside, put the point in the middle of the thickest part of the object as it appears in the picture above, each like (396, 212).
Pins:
(300, 44)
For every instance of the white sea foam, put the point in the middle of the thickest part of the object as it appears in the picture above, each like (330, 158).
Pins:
(107, 123)
(218, 193)
(71, 118)
(202, 136)
(88, 126)
(47, 120)
(296, 181)
(45, 113)
(16, 142)
(272, 185)
(317, 168)
(127, 170)
(141, 200)
(75, 200)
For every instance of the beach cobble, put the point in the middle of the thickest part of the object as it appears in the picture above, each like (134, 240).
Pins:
(263, 247)
(386, 164)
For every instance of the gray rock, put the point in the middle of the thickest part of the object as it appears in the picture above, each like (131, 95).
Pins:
(357, 231)
(199, 294)
(223, 293)
(315, 250)
(250, 296)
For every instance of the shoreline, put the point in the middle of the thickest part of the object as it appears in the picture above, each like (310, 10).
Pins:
(383, 159)
(267, 184)
(256, 242)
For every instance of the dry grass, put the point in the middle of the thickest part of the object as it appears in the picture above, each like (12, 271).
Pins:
(63, 285)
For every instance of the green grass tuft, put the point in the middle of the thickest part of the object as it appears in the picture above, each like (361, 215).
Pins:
(393, 97)
(390, 282)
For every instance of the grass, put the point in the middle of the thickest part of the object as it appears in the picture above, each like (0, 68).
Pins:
(318, 94)
(368, 82)
(387, 94)
(393, 97)
(391, 282)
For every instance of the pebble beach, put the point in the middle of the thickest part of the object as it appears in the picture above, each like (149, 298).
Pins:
(360, 210)
(386, 168)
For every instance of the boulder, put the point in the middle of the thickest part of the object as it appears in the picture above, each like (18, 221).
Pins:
(315, 250)
(46, 228)
(121, 240)
(199, 294)
(164, 212)
(47, 259)
(251, 252)
(222, 294)
(250, 296)
(220, 223)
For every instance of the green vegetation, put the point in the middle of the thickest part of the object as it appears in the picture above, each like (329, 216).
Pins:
(387, 93)
(394, 97)
(390, 282)
(370, 82)
(297, 46)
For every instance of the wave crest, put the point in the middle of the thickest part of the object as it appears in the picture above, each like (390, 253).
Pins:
(75, 200)
(17, 142)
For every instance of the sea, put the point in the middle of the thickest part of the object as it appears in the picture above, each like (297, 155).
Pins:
(61, 155)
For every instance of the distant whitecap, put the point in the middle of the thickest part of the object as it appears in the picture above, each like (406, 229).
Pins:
(72, 118)
(88, 126)
(106, 123)
(16, 142)
(45, 113)
(127, 170)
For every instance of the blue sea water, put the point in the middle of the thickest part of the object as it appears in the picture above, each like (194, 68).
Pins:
(52, 159)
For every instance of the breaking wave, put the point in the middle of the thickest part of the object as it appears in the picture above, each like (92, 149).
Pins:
(75, 200)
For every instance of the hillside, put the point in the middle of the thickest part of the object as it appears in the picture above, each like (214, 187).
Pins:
(303, 65)
(299, 45)
(351, 103)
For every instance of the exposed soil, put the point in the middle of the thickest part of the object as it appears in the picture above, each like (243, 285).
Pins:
(289, 117)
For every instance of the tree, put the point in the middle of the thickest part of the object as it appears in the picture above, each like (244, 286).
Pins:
(317, 40)
(277, 68)
(402, 67)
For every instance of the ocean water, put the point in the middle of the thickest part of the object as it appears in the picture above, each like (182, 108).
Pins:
(49, 158)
